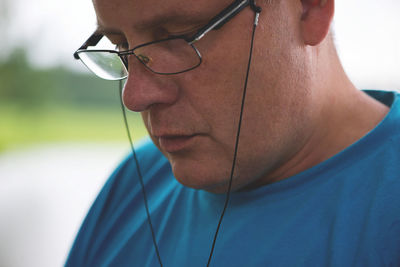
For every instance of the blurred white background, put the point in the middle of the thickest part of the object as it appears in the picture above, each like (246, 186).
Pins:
(46, 191)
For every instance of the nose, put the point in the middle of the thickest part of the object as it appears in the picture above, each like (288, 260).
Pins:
(144, 88)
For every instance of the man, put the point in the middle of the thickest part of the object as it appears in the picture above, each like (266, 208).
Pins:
(311, 161)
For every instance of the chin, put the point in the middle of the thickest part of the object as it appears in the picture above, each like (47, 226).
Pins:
(210, 182)
(213, 182)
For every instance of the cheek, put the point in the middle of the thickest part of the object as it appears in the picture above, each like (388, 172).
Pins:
(277, 99)
(216, 96)
(218, 83)
(277, 112)
(146, 122)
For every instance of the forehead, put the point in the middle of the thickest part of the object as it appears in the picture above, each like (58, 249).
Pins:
(143, 13)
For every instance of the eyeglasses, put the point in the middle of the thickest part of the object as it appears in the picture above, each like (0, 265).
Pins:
(168, 56)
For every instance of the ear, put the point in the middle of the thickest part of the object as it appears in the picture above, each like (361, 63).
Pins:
(316, 20)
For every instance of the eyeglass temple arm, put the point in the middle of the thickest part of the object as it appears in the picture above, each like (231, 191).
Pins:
(240, 7)
(220, 19)
(224, 16)
(93, 40)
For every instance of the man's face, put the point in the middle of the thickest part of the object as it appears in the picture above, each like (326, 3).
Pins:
(193, 117)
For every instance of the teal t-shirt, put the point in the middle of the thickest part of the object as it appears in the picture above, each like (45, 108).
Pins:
(344, 211)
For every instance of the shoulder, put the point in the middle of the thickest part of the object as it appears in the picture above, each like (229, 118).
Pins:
(384, 166)
(388, 130)
(378, 153)
(120, 195)
(150, 165)
(147, 154)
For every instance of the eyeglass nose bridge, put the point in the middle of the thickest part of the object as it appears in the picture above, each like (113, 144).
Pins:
(144, 59)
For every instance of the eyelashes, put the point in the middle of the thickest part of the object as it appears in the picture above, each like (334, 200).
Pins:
(122, 46)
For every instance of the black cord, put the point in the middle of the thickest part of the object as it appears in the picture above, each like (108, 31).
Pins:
(258, 10)
(140, 175)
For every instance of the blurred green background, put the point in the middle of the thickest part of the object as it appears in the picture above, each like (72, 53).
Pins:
(58, 105)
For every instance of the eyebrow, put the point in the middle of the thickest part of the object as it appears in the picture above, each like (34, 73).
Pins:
(107, 31)
(155, 21)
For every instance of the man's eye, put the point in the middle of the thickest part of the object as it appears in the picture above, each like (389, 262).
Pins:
(122, 47)
(187, 33)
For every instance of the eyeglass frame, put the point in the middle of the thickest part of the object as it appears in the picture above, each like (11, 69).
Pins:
(214, 24)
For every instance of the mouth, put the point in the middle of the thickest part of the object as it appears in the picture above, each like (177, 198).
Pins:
(175, 143)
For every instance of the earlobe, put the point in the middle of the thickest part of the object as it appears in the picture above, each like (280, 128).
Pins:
(316, 20)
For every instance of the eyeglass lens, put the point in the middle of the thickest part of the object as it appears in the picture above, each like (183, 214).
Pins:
(170, 56)
(164, 57)
(106, 65)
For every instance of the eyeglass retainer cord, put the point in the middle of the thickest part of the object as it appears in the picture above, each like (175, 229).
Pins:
(257, 11)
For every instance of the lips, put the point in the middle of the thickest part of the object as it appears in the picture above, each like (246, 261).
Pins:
(175, 143)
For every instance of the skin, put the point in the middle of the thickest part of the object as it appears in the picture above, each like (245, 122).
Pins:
(300, 107)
